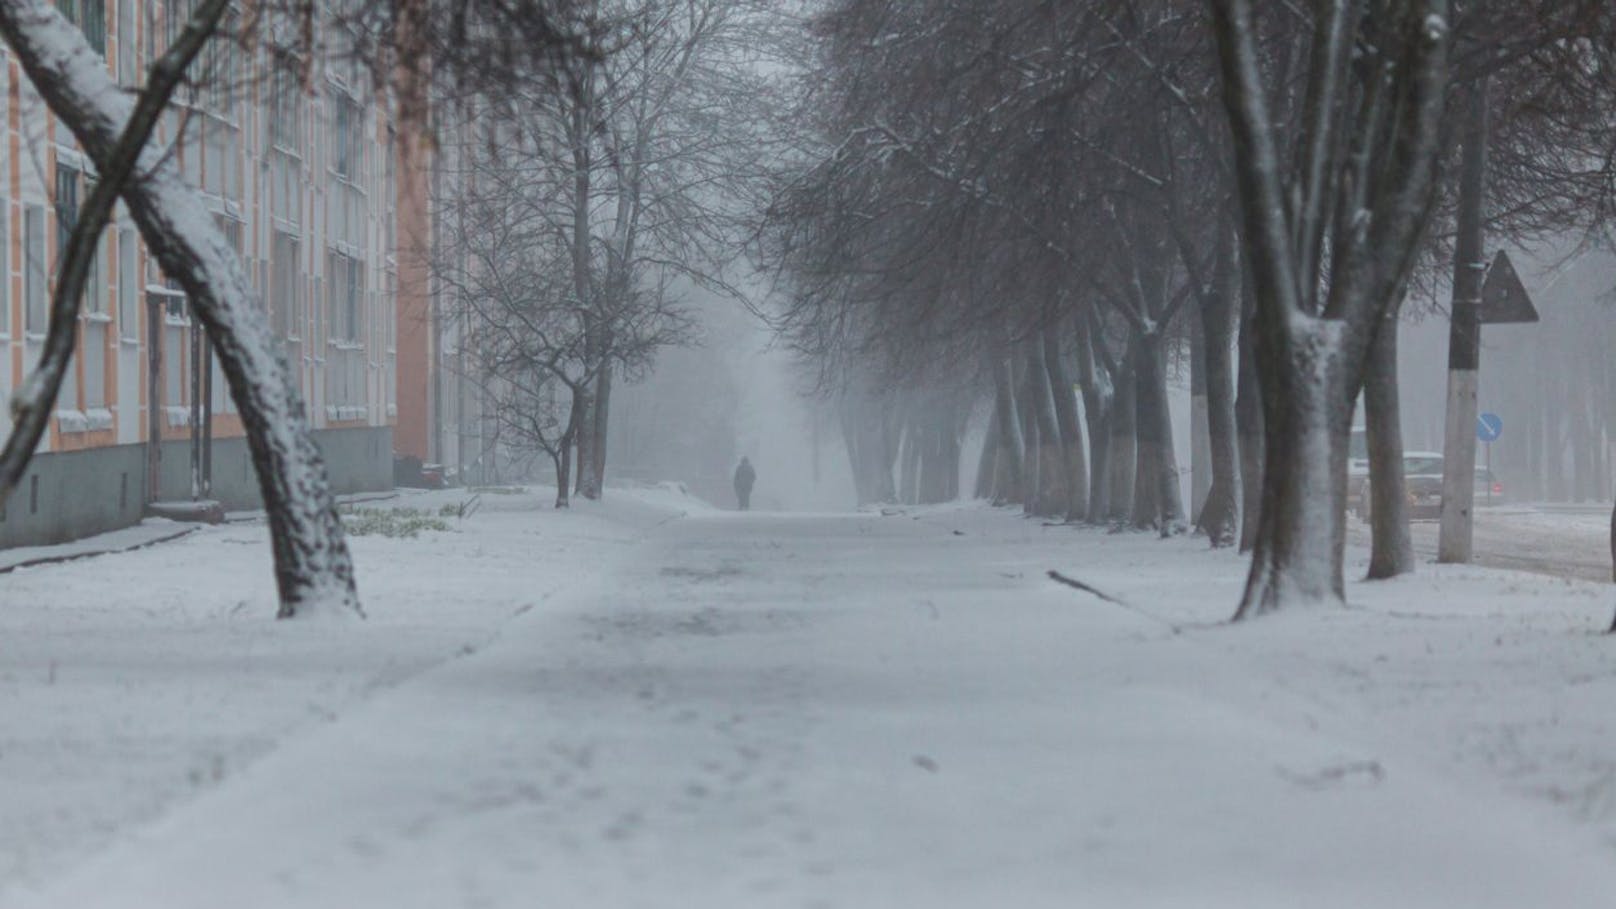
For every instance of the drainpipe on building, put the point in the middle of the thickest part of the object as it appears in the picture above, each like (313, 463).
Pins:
(196, 408)
(207, 417)
(154, 394)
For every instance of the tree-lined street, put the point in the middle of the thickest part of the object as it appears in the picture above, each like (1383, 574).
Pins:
(821, 453)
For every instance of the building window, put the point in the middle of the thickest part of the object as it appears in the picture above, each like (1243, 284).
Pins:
(95, 330)
(175, 14)
(95, 364)
(345, 286)
(5, 274)
(128, 67)
(91, 18)
(231, 228)
(128, 286)
(67, 217)
(347, 154)
(345, 354)
(33, 221)
(286, 288)
(219, 157)
(96, 337)
(95, 282)
(176, 325)
(95, 24)
(67, 206)
(286, 112)
(287, 315)
(285, 186)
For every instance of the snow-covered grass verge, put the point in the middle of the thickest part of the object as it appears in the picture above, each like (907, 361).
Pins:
(131, 682)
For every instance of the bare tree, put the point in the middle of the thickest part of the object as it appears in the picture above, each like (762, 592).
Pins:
(1328, 258)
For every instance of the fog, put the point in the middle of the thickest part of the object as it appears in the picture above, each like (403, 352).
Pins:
(734, 393)
(1550, 382)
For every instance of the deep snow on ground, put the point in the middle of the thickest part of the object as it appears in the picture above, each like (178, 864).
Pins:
(644, 702)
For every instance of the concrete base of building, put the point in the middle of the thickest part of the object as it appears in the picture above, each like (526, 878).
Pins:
(73, 494)
(198, 511)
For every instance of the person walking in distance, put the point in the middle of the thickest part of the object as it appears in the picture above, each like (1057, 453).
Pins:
(745, 476)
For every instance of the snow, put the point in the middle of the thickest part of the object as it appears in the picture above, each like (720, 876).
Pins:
(646, 701)
(147, 533)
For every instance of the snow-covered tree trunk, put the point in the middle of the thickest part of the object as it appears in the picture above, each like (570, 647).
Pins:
(1162, 500)
(871, 434)
(563, 456)
(1145, 489)
(584, 441)
(1052, 499)
(1391, 545)
(580, 125)
(934, 436)
(1248, 416)
(940, 473)
(1365, 178)
(1219, 517)
(985, 465)
(1071, 434)
(1200, 428)
(909, 462)
(1124, 425)
(603, 410)
(313, 570)
(1026, 416)
(1097, 394)
(850, 441)
(1012, 480)
(1300, 544)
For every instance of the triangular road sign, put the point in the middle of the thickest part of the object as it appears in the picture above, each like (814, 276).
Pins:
(1503, 296)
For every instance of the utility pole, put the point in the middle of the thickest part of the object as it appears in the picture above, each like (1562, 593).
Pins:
(1464, 340)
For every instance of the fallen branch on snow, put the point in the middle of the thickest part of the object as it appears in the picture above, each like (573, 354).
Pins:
(1075, 584)
(1059, 578)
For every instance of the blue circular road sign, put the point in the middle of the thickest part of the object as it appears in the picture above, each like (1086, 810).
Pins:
(1489, 426)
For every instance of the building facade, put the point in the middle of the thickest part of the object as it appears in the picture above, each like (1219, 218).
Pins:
(441, 420)
(301, 172)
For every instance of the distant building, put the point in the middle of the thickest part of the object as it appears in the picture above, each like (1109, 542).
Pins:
(439, 401)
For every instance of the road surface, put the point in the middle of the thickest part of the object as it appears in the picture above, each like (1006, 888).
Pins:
(1560, 542)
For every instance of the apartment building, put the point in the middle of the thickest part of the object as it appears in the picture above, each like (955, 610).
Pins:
(441, 417)
(301, 174)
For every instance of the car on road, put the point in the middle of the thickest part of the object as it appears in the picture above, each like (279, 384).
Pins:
(1422, 478)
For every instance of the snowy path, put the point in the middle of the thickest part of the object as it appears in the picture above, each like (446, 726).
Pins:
(763, 710)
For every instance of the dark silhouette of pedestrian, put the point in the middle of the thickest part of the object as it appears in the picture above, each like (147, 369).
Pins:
(745, 476)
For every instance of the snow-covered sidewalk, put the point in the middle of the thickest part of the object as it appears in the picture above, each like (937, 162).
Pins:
(644, 703)
(149, 532)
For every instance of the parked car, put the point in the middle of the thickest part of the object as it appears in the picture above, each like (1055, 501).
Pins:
(1422, 475)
